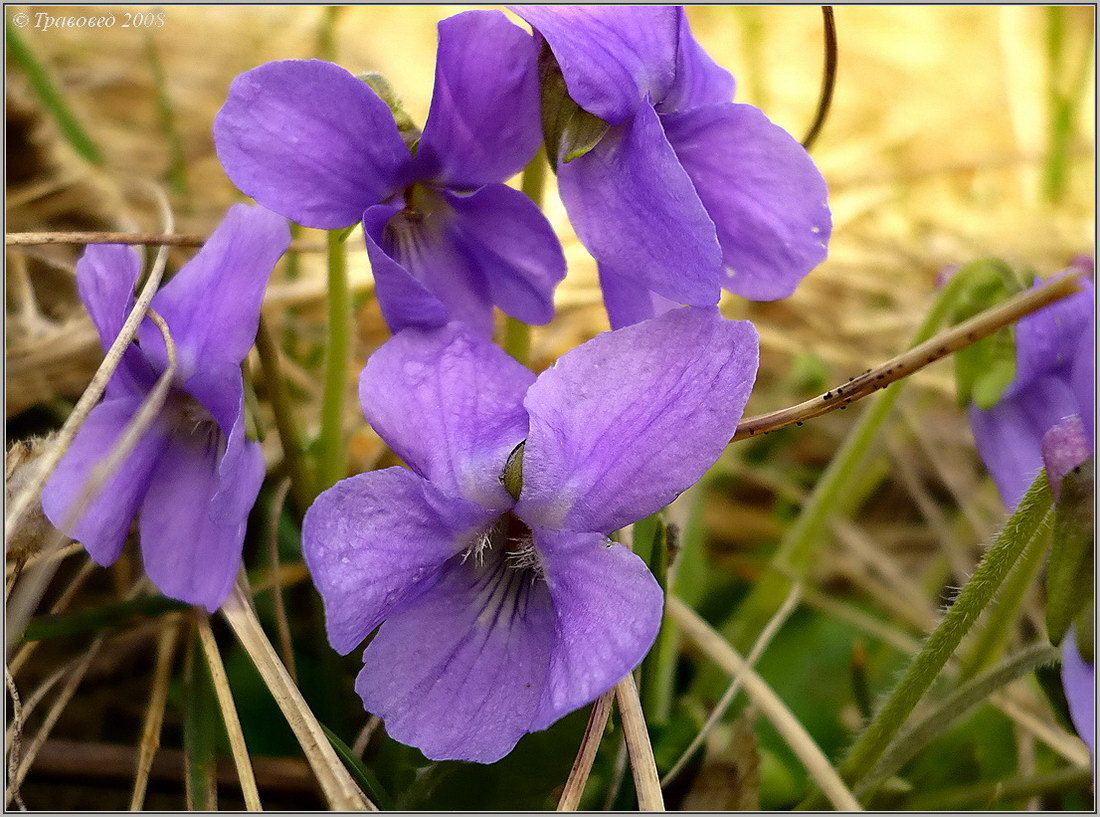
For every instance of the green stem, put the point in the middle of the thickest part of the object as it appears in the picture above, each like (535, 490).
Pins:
(50, 97)
(177, 168)
(983, 795)
(517, 334)
(1018, 535)
(914, 738)
(655, 689)
(285, 422)
(990, 643)
(800, 544)
(332, 455)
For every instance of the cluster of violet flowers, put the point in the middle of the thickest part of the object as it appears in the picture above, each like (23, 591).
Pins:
(488, 569)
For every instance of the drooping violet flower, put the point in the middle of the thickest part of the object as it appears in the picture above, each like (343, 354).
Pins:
(687, 192)
(499, 616)
(1055, 379)
(1079, 684)
(193, 477)
(446, 238)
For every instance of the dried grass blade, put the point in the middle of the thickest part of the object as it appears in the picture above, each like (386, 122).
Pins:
(642, 765)
(586, 755)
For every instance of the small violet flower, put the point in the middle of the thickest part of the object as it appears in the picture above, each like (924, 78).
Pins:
(687, 192)
(193, 477)
(1079, 684)
(1055, 379)
(499, 615)
(446, 238)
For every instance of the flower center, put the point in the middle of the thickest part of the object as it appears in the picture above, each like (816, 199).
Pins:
(191, 421)
(509, 540)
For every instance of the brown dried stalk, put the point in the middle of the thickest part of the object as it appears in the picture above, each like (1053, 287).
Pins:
(167, 239)
(586, 755)
(154, 714)
(948, 342)
(644, 768)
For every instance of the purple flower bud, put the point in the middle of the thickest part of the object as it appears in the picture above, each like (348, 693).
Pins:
(1064, 447)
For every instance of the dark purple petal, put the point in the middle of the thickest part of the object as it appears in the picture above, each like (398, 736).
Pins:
(1079, 683)
(404, 300)
(310, 141)
(628, 303)
(484, 124)
(212, 305)
(612, 58)
(1008, 436)
(623, 424)
(699, 79)
(608, 609)
(450, 404)
(768, 201)
(1083, 377)
(188, 555)
(1063, 448)
(375, 541)
(1048, 340)
(505, 236)
(459, 672)
(105, 277)
(103, 526)
(635, 209)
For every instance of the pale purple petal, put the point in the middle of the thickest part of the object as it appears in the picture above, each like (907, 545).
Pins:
(1049, 340)
(105, 278)
(1064, 446)
(611, 57)
(104, 524)
(188, 555)
(635, 209)
(308, 140)
(1079, 683)
(768, 201)
(628, 303)
(1084, 381)
(450, 404)
(212, 305)
(1008, 436)
(376, 540)
(505, 236)
(623, 424)
(699, 79)
(404, 300)
(484, 123)
(459, 672)
(608, 609)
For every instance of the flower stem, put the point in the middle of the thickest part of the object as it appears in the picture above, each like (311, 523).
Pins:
(984, 795)
(517, 334)
(332, 456)
(285, 421)
(1011, 544)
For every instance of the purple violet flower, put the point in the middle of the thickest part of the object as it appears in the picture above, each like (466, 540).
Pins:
(1055, 379)
(194, 476)
(687, 192)
(447, 239)
(1079, 684)
(500, 616)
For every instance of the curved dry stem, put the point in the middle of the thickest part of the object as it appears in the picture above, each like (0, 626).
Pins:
(48, 462)
(762, 642)
(25, 601)
(338, 787)
(946, 343)
(229, 716)
(14, 740)
(165, 239)
(642, 765)
(154, 713)
(718, 650)
(586, 755)
(62, 602)
(363, 738)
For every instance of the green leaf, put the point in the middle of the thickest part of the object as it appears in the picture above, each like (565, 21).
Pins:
(363, 776)
(200, 719)
(568, 130)
(99, 618)
(1069, 571)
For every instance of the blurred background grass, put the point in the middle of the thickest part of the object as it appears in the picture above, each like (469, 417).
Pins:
(937, 150)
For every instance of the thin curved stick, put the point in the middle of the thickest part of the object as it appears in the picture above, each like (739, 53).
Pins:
(828, 79)
(33, 490)
(948, 342)
(13, 742)
(165, 239)
(762, 642)
(642, 765)
(786, 724)
(586, 755)
(154, 713)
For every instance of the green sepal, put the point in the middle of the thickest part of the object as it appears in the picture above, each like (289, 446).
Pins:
(512, 475)
(986, 368)
(1083, 626)
(568, 130)
(410, 133)
(1069, 571)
